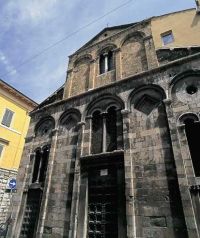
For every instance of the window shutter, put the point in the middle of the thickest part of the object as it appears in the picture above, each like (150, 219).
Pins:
(7, 118)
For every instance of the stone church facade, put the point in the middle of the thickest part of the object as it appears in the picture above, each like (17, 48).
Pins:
(114, 152)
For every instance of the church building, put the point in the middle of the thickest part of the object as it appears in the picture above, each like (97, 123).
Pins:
(113, 153)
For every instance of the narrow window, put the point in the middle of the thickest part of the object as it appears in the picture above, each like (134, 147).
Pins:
(44, 163)
(111, 129)
(40, 166)
(102, 64)
(36, 166)
(97, 133)
(106, 62)
(192, 130)
(110, 60)
(7, 117)
(1, 150)
(167, 37)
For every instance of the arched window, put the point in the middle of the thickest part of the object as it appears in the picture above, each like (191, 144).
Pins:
(106, 62)
(192, 130)
(104, 131)
(40, 165)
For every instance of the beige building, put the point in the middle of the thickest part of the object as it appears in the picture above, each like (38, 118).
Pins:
(178, 29)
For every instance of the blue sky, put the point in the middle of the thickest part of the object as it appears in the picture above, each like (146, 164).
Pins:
(30, 26)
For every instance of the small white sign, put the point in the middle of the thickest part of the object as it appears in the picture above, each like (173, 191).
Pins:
(103, 172)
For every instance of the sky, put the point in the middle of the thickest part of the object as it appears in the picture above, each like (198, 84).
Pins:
(37, 36)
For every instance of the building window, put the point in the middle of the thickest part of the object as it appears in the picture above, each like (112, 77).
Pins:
(192, 130)
(106, 62)
(1, 150)
(167, 37)
(7, 118)
(104, 131)
(40, 165)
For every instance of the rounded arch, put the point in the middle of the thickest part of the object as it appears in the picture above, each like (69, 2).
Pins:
(137, 35)
(69, 118)
(188, 116)
(82, 59)
(184, 74)
(106, 48)
(133, 54)
(38, 149)
(103, 102)
(46, 147)
(185, 87)
(146, 97)
(45, 126)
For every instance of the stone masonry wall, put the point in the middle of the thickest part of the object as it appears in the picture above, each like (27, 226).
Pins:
(5, 194)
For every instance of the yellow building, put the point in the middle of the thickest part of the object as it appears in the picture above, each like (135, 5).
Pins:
(14, 122)
(178, 29)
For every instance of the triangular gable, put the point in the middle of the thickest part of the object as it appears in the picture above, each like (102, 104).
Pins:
(106, 32)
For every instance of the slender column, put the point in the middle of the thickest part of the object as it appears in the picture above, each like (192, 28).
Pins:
(106, 61)
(39, 169)
(74, 224)
(44, 203)
(104, 131)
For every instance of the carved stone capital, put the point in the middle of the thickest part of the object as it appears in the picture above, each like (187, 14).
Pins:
(81, 123)
(89, 117)
(125, 112)
(167, 101)
(195, 188)
(53, 132)
(117, 50)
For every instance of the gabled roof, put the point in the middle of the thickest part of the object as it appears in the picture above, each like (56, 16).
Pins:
(112, 30)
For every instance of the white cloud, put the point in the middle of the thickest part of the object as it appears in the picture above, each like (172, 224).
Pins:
(8, 66)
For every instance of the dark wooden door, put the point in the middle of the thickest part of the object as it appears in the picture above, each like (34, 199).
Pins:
(102, 203)
(31, 213)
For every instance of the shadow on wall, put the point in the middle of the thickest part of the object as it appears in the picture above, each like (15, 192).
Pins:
(196, 20)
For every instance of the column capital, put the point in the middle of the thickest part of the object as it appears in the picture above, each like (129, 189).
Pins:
(117, 50)
(125, 111)
(89, 117)
(53, 132)
(167, 101)
(103, 114)
(80, 123)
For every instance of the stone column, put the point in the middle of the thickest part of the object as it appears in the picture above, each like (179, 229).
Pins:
(73, 230)
(129, 176)
(47, 185)
(104, 144)
(39, 169)
(106, 61)
(181, 173)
